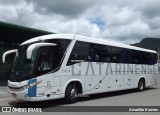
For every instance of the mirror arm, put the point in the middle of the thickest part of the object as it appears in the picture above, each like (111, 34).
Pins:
(33, 46)
(7, 53)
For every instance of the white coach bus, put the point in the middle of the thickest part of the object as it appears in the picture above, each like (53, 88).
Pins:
(68, 66)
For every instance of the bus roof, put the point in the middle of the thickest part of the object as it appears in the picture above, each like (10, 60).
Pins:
(86, 39)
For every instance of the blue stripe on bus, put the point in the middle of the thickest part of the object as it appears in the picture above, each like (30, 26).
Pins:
(32, 90)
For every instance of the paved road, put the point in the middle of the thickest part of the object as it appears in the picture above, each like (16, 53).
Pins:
(149, 97)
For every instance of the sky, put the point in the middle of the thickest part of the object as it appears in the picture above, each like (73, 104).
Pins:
(128, 21)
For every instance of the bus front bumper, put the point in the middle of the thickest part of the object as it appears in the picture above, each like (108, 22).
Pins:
(22, 95)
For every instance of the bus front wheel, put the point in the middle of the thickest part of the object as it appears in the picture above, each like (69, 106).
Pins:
(141, 85)
(71, 94)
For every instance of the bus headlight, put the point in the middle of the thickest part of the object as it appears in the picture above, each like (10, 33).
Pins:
(28, 86)
(25, 87)
(32, 84)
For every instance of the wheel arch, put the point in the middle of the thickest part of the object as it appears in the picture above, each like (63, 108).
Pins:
(77, 82)
(142, 78)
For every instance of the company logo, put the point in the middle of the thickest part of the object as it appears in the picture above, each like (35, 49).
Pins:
(48, 85)
(38, 82)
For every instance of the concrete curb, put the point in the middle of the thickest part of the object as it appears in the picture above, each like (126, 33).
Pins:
(3, 87)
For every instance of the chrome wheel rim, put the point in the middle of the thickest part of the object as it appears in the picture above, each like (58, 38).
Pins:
(141, 86)
(73, 93)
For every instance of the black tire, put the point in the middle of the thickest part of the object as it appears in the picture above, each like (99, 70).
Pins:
(71, 94)
(141, 85)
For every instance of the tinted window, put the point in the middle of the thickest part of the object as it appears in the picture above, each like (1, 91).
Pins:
(152, 58)
(44, 60)
(59, 50)
(50, 58)
(79, 53)
(90, 52)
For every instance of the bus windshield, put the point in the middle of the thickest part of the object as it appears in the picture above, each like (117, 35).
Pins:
(43, 60)
(22, 67)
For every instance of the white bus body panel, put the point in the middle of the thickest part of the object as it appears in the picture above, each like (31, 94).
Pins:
(93, 80)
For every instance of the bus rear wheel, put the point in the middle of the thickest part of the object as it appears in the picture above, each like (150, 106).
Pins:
(71, 94)
(141, 85)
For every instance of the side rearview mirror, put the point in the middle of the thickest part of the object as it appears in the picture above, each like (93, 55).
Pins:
(8, 53)
(36, 45)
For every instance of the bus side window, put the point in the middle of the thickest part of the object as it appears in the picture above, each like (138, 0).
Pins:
(44, 61)
(134, 56)
(122, 56)
(152, 59)
(93, 55)
(74, 57)
(79, 53)
(128, 57)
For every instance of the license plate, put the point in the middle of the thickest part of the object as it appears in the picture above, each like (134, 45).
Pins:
(14, 95)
